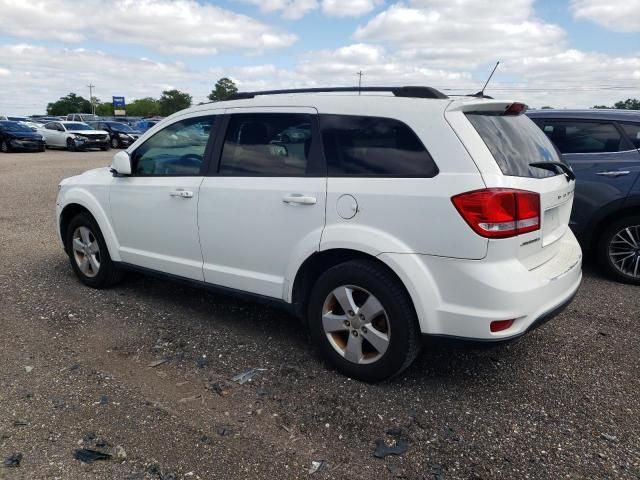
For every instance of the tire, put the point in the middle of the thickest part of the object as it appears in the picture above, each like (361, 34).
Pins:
(397, 325)
(4, 147)
(42, 148)
(71, 145)
(104, 149)
(106, 274)
(615, 250)
(115, 142)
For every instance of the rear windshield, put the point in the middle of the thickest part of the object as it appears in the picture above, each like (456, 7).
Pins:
(515, 142)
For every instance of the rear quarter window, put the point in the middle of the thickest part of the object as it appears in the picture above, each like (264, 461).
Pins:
(373, 146)
(515, 142)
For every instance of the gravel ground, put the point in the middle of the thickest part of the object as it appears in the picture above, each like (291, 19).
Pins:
(75, 373)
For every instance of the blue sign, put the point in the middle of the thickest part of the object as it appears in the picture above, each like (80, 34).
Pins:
(118, 102)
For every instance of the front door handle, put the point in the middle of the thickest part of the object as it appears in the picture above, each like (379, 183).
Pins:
(181, 193)
(614, 173)
(299, 199)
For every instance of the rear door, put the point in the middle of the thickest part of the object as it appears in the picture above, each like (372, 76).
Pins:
(605, 162)
(263, 205)
(503, 146)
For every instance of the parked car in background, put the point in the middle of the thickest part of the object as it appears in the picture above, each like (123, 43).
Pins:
(144, 125)
(17, 119)
(3, 117)
(15, 136)
(404, 212)
(120, 134)
(74, 136)
(82, 117)
(602, 148)
(32, 125)
(126, 120)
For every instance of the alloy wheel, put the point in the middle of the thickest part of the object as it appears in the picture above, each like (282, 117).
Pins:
(624, 251)
(356, 324)
(86, 251)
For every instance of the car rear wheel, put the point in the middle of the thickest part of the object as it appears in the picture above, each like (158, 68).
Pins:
(363, 321)
(4, 147)
(88, 253)
(618, 249)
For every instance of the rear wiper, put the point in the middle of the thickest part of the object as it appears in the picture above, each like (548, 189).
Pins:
(554, 166)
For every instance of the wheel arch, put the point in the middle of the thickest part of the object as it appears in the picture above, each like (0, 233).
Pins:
(318, 263)
(85, 203)
(604, 222)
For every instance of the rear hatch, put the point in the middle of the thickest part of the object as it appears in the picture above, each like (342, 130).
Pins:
(504, 144)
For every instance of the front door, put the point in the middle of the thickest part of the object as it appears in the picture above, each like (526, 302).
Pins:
(264, 204)
(154, 211)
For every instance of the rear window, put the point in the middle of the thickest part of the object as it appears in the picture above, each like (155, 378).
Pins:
(515, 142)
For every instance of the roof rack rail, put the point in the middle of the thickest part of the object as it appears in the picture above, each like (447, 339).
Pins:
(413, 92)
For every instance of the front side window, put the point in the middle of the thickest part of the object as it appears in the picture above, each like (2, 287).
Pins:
(583, 137)
(176, 150)
(373, 146)
(633, 132)
(266, 144)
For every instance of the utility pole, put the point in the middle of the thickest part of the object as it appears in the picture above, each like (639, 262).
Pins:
(93, 107)
(359, 80)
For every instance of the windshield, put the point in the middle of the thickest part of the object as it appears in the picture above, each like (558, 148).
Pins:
(119, 126)
(77, 126)
(515, 142)
(14, 127)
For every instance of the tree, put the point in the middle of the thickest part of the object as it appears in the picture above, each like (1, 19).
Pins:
(224, 89)
(103, 109)
(72, 103)
(172, 101)
(628, 104)
(144, 107)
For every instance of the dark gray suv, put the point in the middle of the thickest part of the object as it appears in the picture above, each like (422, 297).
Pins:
(602, 148)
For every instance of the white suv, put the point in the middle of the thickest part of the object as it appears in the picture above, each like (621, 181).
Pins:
(376, 217)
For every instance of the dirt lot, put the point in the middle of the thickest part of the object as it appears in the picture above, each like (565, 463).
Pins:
(74, 373)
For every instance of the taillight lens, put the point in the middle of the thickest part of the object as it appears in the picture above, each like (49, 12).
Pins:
(499, 212)
(515, 109)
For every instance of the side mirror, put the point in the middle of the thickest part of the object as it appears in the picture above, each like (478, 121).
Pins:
(121, 163)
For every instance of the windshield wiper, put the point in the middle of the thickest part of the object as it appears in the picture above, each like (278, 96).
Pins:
(554, 166)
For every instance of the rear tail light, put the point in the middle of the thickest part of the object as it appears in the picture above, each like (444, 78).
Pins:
(499, 212)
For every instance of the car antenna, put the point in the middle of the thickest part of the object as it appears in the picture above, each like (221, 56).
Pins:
(481, 94)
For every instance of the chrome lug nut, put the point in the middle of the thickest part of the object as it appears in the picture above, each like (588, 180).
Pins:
(355, 333)
(347, 323)
(364, 329)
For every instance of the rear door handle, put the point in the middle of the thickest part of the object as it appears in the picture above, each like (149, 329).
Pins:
(299, 199)
(614, 173)
(181, 193)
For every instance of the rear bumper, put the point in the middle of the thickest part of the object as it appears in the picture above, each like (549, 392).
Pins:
(460, 298)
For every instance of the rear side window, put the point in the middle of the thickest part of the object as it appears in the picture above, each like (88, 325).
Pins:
(584, 137)
(373, 146)
(266, 144)
(633, 132)
(515, 142)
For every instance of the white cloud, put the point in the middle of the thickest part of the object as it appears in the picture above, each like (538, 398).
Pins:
(463, 32)
(290, 9)
(349, 8)
(185, 27)
(296, 9)
(620, 16)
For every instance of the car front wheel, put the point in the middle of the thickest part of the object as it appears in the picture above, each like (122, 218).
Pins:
(363, 321)
(88, 253)
(71, 145)
(618, 249)
(115, 142)
(4, 147)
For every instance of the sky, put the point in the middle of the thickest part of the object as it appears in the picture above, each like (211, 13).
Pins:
(560, 53)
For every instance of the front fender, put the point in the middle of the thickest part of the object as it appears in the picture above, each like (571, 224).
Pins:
(76, 195)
